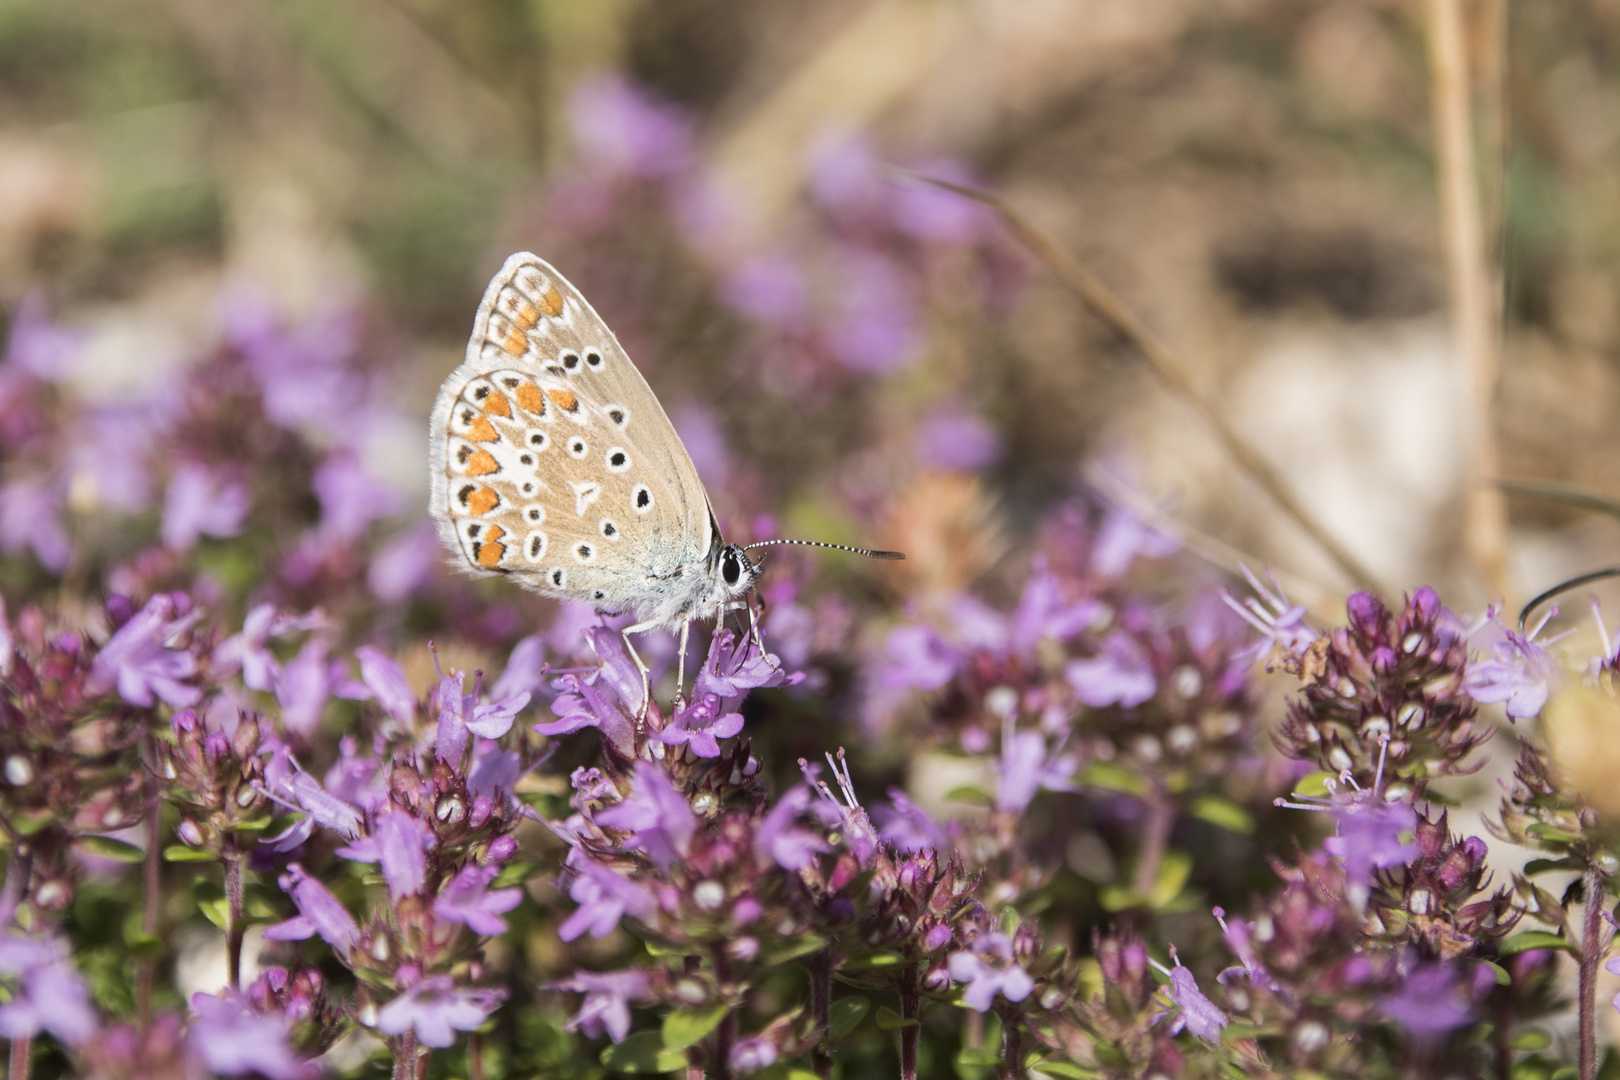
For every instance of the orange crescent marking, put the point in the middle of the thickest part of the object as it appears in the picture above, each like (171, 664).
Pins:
(496, 403)
(516, 343)
(482, 502)
(481, 430)
(551, 302)
(527, 316)
(566, 401)
(530, 397)
(482, 463)
(489, 551)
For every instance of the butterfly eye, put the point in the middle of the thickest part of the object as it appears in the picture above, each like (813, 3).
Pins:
(730, 569)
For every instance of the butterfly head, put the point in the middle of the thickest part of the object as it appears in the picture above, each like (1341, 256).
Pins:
(735, 575)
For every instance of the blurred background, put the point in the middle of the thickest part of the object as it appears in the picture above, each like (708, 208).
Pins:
(861, 356)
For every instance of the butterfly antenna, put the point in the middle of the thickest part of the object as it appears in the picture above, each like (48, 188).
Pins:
(868, 552)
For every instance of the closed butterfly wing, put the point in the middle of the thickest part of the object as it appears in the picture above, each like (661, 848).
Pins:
(553, 462)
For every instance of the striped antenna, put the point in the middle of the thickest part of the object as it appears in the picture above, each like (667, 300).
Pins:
(870, 554)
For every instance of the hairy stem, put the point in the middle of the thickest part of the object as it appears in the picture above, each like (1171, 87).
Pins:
(1591, 956)
(909, 1011)
(21, 1059)
(821, 1011)
(151, 894)
(233, 912)
(1155, 838)
(1012, 1046)
(475, 1056)
(405, 1055)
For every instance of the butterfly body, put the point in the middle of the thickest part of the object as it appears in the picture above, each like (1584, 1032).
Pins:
(554, 464)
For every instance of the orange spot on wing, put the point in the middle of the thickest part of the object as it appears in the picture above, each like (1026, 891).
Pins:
(496, 403)
(516, 343)
(482, 463)
(530, 397)
(566, 401)
(551, 302)
(481, 430)
(482, 502)
(527, 316)
(490, 550)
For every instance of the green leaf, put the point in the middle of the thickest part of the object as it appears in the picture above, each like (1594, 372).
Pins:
(977, 1055)
(968, 793)
(846, 1015)
(689, 1026)
(1547, 866)
(1551, 833)
(1568, 494)
(514, 873)
(793, 948)
(1531, 1040)
(1314, 785)
(1105, 774)
(108, 848)
(1499, 973)
(1174, 870)
(1533, 939)
(1064, 1070)
(642, 1052)
(877, 958)
(1224, 813)
(258, 824)
(889, 1020)
(182, 853)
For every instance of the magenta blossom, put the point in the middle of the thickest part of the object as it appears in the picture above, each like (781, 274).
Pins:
(139, 661)
(468, 899)
(988, 969)
(231, 1039)
(436, 1009)
(608, 995)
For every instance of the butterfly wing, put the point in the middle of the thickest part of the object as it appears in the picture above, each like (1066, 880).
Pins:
(552, 460)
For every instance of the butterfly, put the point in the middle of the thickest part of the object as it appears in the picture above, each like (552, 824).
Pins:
(553, 463)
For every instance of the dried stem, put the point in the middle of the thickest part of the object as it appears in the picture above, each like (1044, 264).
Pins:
(233, 912)
(1475, 303)
(1591, 957)
(911, 1012)
(1112, 310)
(821, 1011)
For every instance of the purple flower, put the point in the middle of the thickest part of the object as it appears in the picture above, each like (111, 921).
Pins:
(114, 456)
(1024, 771)
(768, 289)
(699, 429)
(1369, 836)
(700, 727)
(1431, 1001)
(247, 649)
(325, 809)
(780, 838)
(138, 661)
(659, 819)
(402, 843)
(914, 658)
(1519, 672)
(753, 1054)
(50, 996)
(384, 677)
(1045, 613)
(467, 899)
(1120, 674)
(404, 563)
(302, 688)
(230, 1039)
(1124, 538)
(953, 438)
(1198, 1014)
(44, 349)
(351, 498)
(931, 213)
(319, 912)
(436, 1009)
(621, 129)
(525, 669)
(989, 969)
(608, 995)
(860, 836)
(604, 898)
(31, 517)
(735, 666)
(580, 705)
(844, 177)
(493, 774)
(875, 332)
(460, 714)
(201, 503)
(907, 827)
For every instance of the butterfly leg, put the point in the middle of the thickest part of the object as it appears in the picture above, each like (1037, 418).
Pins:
(680, 669)
(646, 676)
(753, 629)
